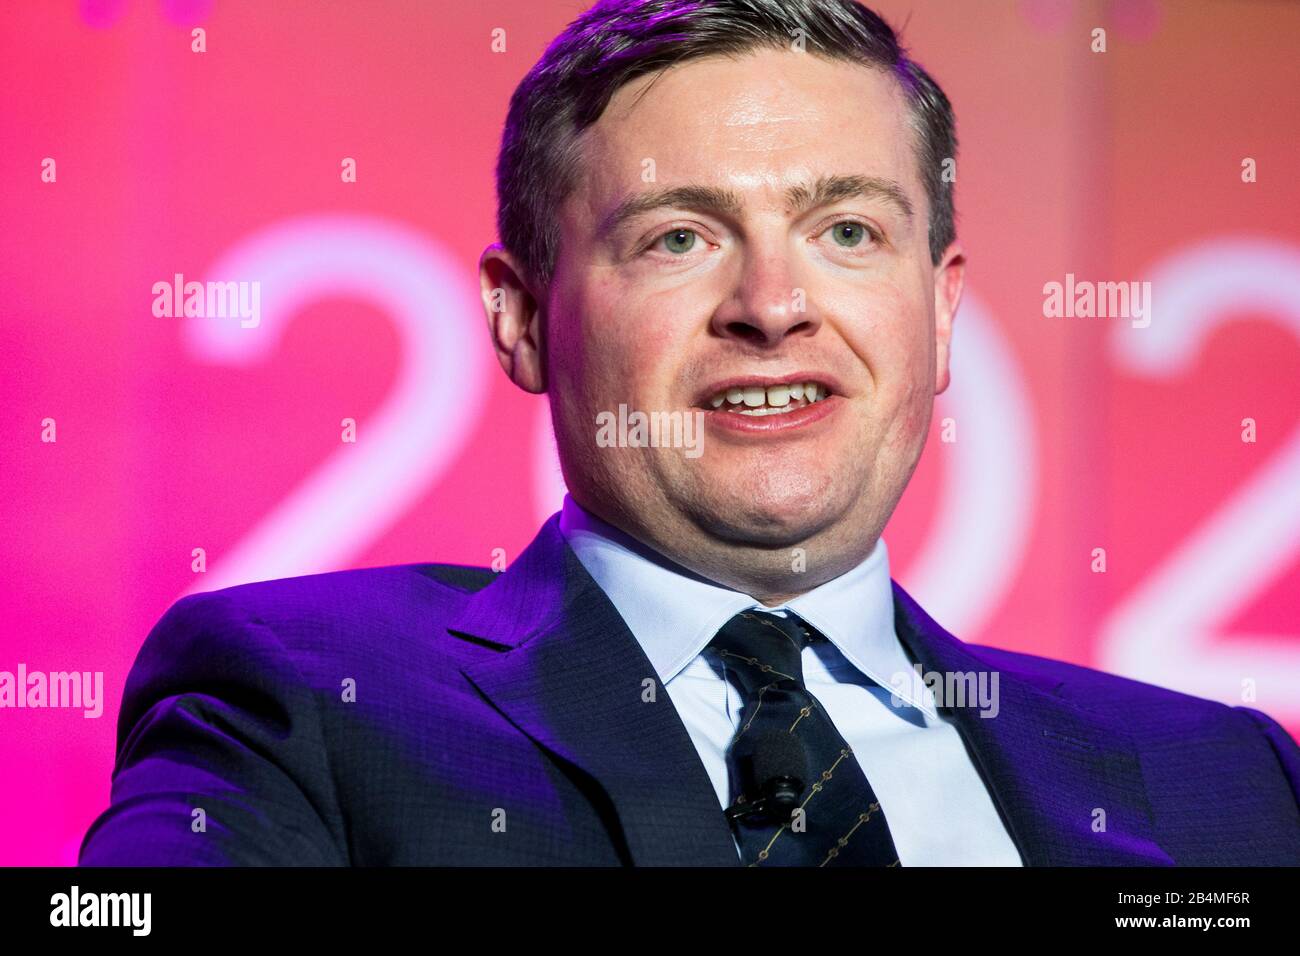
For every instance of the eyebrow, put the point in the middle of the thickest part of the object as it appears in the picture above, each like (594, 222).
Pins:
(799, 198)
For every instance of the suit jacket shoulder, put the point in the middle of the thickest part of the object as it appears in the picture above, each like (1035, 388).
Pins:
(270, 711)
(1144, 708)
(1194, 756)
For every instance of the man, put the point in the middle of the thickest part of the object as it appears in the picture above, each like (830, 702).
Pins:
(735, 211)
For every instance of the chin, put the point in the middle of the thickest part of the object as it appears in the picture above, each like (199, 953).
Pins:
(772, 521)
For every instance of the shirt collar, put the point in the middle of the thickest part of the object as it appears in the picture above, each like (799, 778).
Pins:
(674, 613)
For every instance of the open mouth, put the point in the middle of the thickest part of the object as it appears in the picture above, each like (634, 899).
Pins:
(759, 400)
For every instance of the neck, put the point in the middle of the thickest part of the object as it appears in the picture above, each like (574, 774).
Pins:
(762, 571)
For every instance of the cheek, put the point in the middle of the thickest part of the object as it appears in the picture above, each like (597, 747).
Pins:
(651, 370)
(633, 345)
(895, 342)
(911, 422)
(892, 336)
(585, 351)
(916, 419)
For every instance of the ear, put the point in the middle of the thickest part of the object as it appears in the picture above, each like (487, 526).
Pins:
(949, 275)
(513, 316)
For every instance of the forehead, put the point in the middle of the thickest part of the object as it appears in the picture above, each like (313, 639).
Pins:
(756, 123)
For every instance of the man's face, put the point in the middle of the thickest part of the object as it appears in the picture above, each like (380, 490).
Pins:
(663, 309)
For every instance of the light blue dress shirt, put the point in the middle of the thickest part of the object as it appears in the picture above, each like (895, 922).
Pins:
(938, 809)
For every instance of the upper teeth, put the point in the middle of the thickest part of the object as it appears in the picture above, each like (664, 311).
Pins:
(774, 396)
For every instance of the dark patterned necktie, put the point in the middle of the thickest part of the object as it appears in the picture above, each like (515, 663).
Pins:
(800, 796)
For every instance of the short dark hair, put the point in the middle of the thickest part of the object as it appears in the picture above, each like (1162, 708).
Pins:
(616, 41)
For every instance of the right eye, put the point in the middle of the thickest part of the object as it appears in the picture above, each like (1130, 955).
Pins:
(677, 241)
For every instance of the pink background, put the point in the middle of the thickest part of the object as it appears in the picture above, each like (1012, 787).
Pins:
(1073, 433)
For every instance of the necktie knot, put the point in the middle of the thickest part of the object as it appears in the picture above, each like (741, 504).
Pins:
(762, 648)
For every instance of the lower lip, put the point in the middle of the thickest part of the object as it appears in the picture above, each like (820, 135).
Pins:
(770, 424)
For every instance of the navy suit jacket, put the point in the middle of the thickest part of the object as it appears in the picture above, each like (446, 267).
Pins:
(507, 719)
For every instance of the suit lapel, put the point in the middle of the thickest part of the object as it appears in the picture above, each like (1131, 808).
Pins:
(575, 680)
(1049, 763)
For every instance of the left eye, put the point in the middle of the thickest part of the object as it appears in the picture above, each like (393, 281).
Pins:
(849, 233)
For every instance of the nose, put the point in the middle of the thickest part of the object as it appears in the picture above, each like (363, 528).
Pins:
(767, 305)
